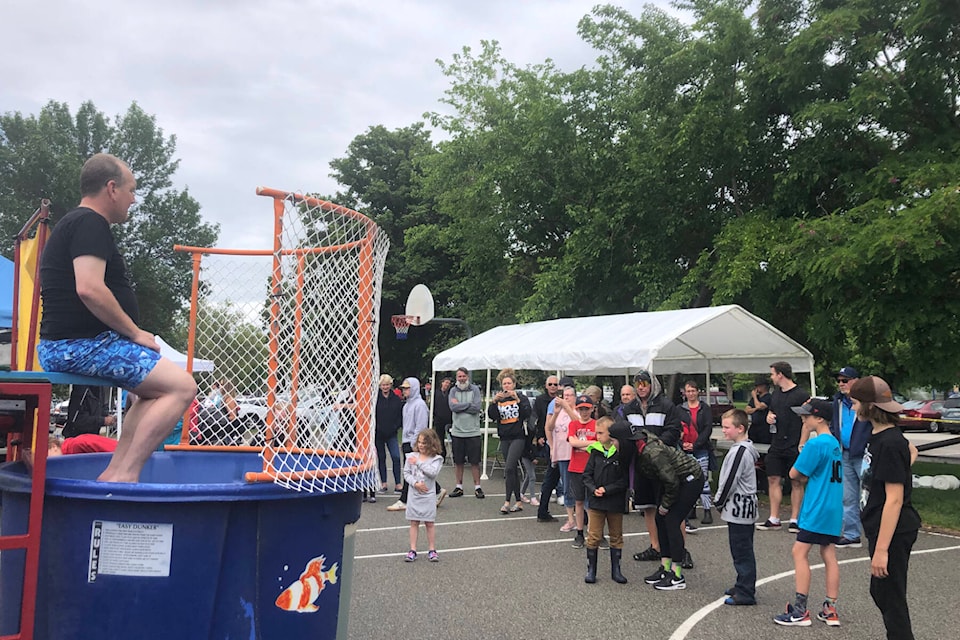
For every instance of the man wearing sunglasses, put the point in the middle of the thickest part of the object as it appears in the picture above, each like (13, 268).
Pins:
(853, 435)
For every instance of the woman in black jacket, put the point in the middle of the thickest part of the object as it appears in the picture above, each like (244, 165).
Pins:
(698, 443)
(389, 420)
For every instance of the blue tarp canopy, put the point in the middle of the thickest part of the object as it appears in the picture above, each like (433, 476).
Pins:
(6, 293)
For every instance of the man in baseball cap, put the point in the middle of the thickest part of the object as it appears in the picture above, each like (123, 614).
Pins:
(852, 433)
(815, 407)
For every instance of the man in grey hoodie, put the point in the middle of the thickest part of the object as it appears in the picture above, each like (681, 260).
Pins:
(416, 418)
(465, 433)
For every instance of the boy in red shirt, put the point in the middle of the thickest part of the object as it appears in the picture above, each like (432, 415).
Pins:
(582, 432)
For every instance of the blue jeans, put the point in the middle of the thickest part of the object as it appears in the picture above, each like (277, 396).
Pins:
(568, 500)
(744, 560)
(390, 444)
(851, 495)
(703, 457)
(550, 480)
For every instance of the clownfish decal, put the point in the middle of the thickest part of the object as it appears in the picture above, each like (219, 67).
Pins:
(301, 595)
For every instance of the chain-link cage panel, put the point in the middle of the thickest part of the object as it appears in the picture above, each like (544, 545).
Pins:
(292, 337)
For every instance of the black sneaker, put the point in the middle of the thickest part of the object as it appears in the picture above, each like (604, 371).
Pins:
(604, 543)
(671, 582)
(546, 518)
(769, 525)
(479, 493)
(648, 554)
(689, 527)
(578, 542)
(687, 560)
(657, 576)
(793, 527)
(849, 543)
(457, 493)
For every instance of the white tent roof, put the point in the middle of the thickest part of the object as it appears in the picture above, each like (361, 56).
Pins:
(712, 339)
(180, 359)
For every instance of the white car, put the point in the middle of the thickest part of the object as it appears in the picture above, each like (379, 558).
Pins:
(319, 424)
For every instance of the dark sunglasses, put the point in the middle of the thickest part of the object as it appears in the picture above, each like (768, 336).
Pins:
(553, 384)
(843, 380)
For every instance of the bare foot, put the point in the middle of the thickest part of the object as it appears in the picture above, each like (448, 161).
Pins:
(111, 477)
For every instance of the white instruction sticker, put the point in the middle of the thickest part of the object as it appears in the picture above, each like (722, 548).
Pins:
(130, 549)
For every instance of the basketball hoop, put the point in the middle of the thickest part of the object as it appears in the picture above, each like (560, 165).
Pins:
(402, 324)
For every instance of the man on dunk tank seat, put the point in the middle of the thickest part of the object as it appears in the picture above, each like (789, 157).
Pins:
(90, 315)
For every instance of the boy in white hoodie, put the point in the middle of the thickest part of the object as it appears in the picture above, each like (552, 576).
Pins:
(416, 418)
(737, 502)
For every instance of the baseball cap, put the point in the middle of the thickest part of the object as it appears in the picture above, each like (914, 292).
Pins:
(584, 401)
(566, 381)
(847, 372)
(642, 376)
(875, 390)
(816, 407)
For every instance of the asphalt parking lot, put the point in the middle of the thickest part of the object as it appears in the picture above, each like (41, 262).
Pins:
(508, 576)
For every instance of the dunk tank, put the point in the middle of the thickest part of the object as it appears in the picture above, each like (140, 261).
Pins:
(243, 526)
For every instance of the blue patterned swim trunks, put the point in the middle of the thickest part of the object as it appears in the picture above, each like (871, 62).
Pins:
(109, 356)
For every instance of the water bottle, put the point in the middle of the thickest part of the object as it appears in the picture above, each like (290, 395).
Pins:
(773, 427)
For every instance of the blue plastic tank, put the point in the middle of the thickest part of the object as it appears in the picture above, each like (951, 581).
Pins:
(191, 552)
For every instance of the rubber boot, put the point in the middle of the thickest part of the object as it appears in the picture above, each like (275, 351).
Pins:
(591, 576)
(707, 517)
(615, 555)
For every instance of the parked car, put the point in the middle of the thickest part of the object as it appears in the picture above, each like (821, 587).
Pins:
(58, 414)
(719, 404)
(950, 415)
(921, 415)
(320, 424)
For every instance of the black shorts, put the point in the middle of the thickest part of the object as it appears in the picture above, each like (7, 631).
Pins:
(779, 461)
(646, 493)
(577, 490)
(466, 449)
(822, 539)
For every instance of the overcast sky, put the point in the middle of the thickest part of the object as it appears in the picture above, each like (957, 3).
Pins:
(266, 92)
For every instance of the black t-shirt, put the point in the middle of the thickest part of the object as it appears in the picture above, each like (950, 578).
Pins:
(759, 429)
(82, 232)
(789, 424)
(886, 459)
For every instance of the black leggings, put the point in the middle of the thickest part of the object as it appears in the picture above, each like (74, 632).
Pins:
(512, 451)
(668, 526)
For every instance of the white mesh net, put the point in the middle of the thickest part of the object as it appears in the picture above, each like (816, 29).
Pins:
(292, 334)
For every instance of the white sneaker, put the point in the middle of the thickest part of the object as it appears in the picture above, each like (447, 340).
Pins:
(440, 496)
(399, 505)
(559, 499)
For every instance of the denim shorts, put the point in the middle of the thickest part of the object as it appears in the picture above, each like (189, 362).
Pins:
(109, 357)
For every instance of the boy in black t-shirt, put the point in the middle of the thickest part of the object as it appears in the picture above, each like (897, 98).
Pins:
(886, 512)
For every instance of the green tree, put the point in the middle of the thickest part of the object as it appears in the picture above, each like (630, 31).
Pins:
(41, 157)
(382, 172)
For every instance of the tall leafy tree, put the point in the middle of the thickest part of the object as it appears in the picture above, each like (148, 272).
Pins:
(382, 173)
(41, 156)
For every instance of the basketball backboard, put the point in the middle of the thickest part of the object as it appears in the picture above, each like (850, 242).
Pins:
(420, 304)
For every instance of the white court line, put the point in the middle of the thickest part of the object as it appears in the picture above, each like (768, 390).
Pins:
(506, 545)
(687, 626)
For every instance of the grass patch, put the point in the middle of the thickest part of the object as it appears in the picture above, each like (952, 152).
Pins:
(938, 509)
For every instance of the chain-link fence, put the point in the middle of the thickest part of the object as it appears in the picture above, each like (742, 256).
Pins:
(292, 335)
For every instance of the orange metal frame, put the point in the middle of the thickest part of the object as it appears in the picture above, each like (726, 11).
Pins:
(38, 396)
(283, 419)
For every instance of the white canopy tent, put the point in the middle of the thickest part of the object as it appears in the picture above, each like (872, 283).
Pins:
(708, 340)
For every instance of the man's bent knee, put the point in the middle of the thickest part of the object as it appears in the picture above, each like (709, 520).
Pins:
(168, 379)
